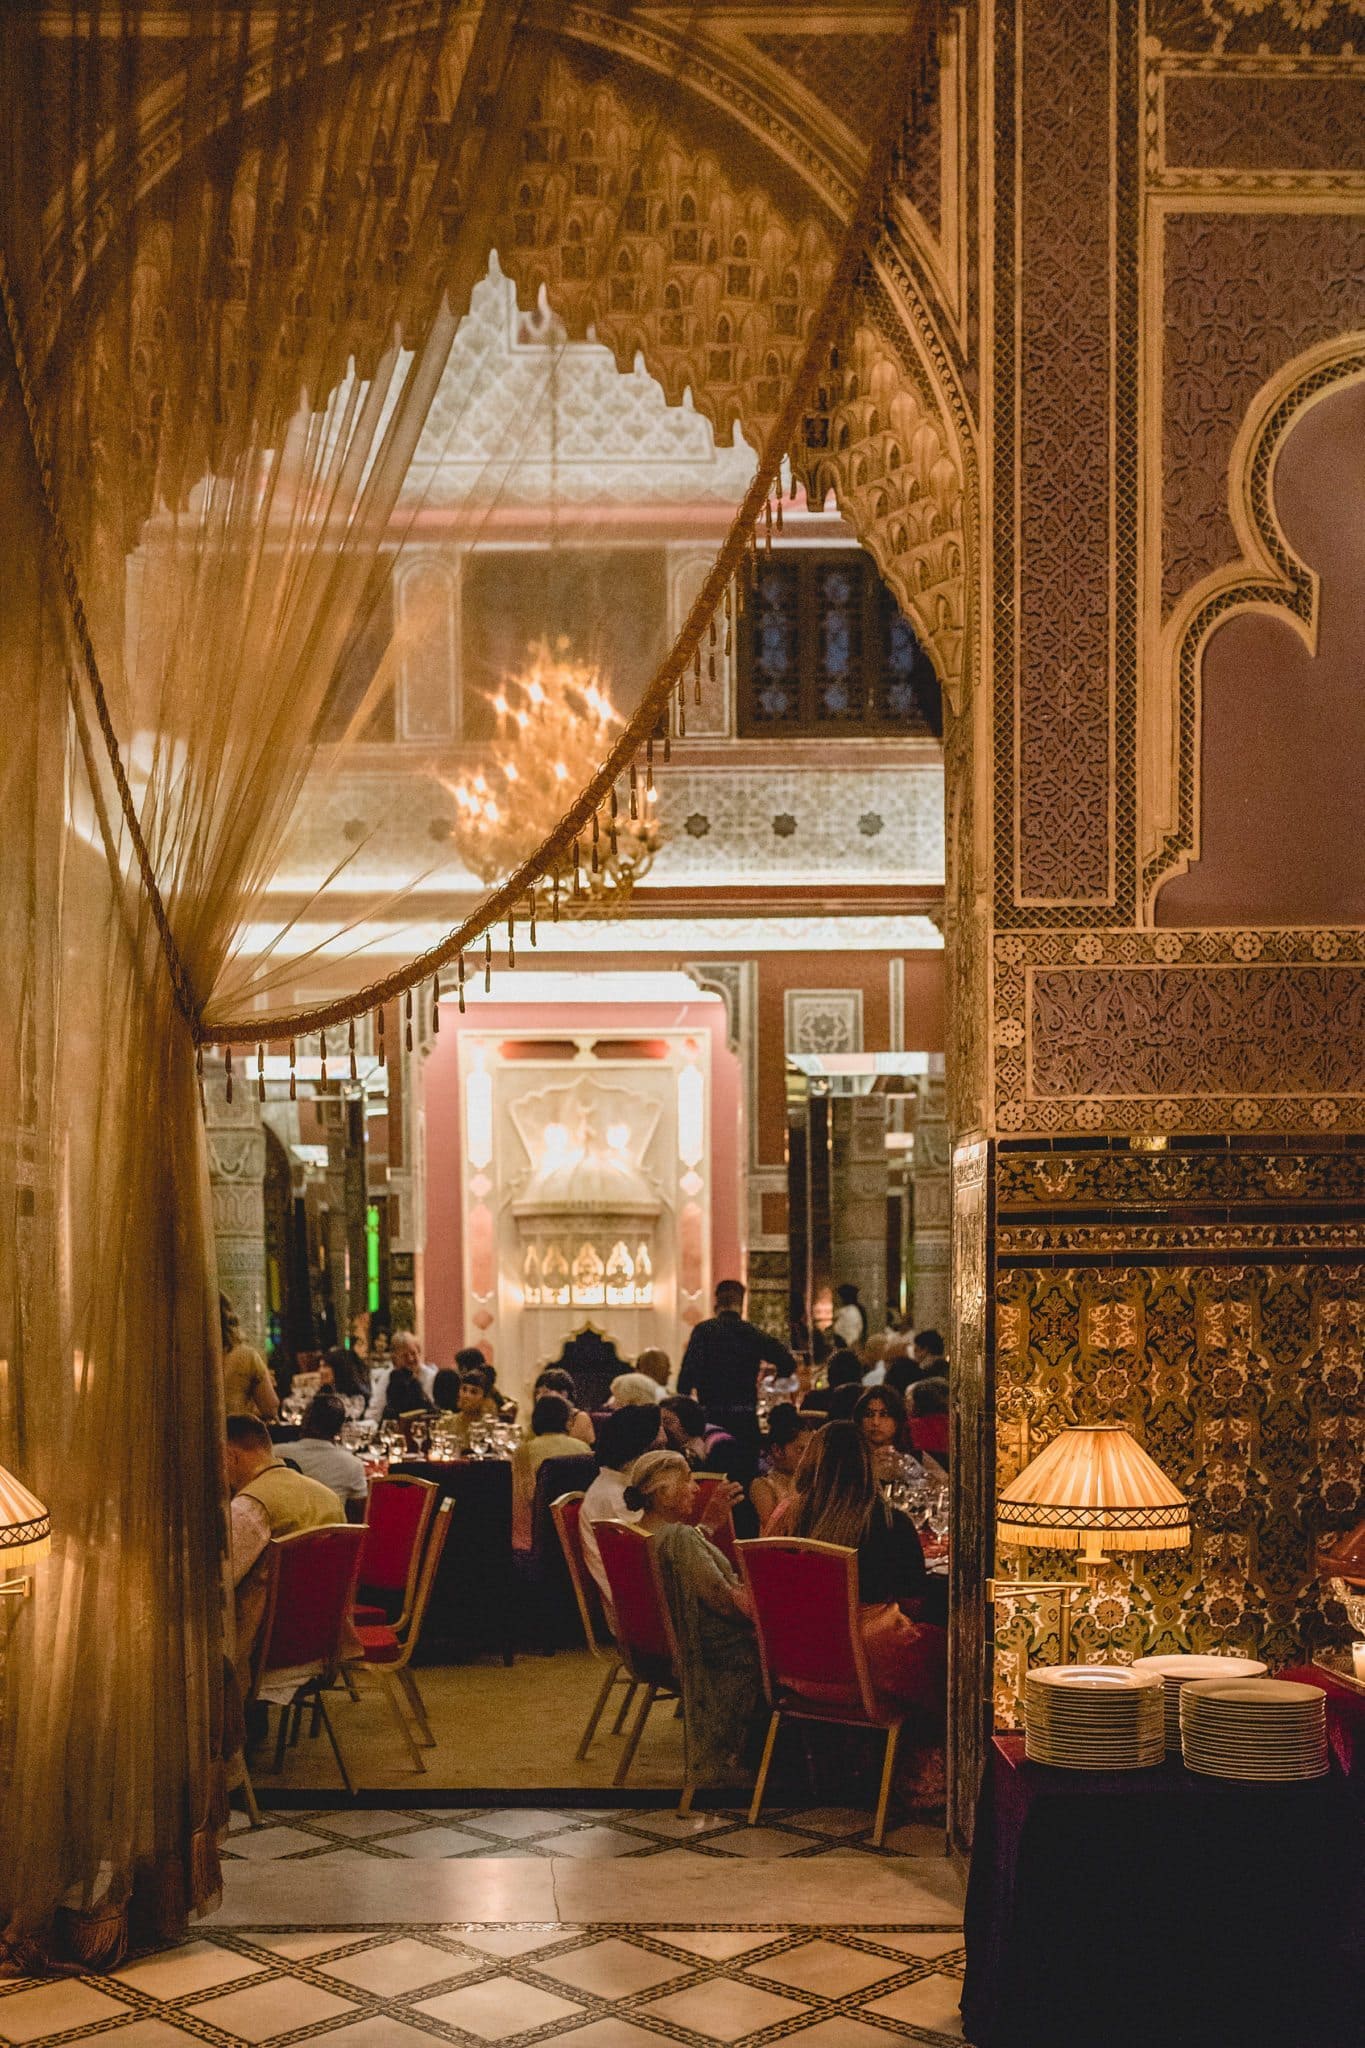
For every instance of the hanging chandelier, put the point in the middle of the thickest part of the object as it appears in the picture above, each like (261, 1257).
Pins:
(555, 723)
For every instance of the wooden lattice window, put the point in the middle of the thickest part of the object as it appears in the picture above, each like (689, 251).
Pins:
(825, 648)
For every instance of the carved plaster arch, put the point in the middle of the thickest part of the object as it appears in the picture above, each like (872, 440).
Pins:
(1268, 577)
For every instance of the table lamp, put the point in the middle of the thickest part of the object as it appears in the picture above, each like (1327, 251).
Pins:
(1093, 1490)
(25, 1534)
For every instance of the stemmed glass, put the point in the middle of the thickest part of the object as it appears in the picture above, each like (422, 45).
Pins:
(421, 1437)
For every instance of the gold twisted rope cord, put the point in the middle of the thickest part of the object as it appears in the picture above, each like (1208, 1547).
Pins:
(504, 901)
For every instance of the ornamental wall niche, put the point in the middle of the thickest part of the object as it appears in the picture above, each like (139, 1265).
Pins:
(1172, 289)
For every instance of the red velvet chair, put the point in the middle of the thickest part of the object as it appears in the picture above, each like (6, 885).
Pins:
(397, 1522)
(389, 1652)
(565, 1513)
(724, 1537)
(810, 1647)
(309, 1597)
(645, 1641)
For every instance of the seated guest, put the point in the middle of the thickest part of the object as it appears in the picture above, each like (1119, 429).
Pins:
(782, 1448)
(554, 1380)
(901, 1372)
(634, 1390)
(926, 1349)
(404, 1394)
(686, 1429)
(445, 1390)
(268, 1499)
(471, 1359)
(654, 1364)
(843, 1383)
(549, 1438)
(406, 1356)
(318, 1453)
(836, 1499)
(880, 1414)
(625, 1435)
(710, 1610)
(344, 1372)
(472, 1404)
(247, 1386)
(929, 1418)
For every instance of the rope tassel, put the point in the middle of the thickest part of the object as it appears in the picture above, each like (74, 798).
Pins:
(260, 1071)
(488, 963)
(407, 1022)
(435, 1005)
(350, 1047)
(379, 1034)
(293, 1083)
(511, 940)
(227, 1068)
(531, 906)
(459, 985)
(322, 1055)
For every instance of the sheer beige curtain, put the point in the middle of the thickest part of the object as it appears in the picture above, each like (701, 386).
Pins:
(238, 256)
(259, 484)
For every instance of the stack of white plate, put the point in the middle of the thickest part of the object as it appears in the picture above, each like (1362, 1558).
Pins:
(1268, 1729)
(1093, 1717)
(1174, 1672)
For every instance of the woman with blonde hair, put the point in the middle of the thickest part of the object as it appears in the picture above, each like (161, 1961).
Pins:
(836, 1499)
(710, 1610)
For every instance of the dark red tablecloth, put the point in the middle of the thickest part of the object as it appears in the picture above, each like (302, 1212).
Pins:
(475, 1599)
(1345, 1719)
(1157, 1909)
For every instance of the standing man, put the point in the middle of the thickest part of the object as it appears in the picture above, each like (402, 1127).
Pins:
(721, 1367)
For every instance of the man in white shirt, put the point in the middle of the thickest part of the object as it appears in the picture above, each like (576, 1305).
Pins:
(625, 1435)
(405, 1351)
(318, 1453)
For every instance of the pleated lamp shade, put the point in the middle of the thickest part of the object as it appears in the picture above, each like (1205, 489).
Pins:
(25, 1527)
(1093, 1490)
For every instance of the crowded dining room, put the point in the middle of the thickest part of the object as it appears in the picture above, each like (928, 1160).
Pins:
(682, 1121)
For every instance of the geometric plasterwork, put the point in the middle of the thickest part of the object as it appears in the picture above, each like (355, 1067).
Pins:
(1166, 1031)
(825, 1020)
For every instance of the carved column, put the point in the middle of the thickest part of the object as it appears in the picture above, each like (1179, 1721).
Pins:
(236, 1148)
(931, 1253)
(858, 1200)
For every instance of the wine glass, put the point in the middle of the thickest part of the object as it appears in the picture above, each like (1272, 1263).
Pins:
(421, 1437)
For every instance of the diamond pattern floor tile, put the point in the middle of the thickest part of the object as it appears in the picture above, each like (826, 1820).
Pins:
(397, 1967)
(827, 1969)
(52, 2008)
(265, 2010)
(517, 1823)
(933, 2002)
(759, 1841)
(262, 1845)
(613, 1969)
(499, 2007)
(198, 1966)
(593, 1842)
(428, 1843)
(724, 2010)
(714, 1943)
(514, 1941)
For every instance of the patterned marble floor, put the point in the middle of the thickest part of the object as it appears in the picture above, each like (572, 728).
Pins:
(780, 1965)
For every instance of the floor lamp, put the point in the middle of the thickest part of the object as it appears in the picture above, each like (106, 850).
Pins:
(1093, 1490)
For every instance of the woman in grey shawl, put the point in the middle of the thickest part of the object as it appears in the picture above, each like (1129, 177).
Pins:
(710, 1609)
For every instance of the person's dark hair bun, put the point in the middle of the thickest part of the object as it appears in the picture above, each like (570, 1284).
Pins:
(636, 1501)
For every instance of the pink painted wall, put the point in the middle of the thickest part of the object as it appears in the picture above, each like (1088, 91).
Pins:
(444, 1330)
